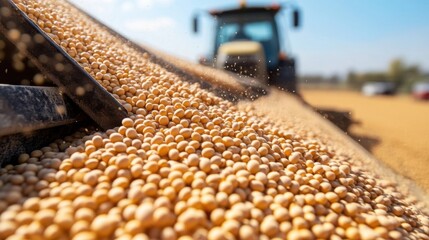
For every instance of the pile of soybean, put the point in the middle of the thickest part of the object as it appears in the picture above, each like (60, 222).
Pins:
(185, 164)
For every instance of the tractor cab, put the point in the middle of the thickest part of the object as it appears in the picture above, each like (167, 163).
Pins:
(249, 24)
(247, 42)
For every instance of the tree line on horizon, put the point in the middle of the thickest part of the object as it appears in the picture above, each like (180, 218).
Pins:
(398, 72)
(402, 75)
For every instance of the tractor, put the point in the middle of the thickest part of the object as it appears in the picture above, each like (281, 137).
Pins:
(248, 42)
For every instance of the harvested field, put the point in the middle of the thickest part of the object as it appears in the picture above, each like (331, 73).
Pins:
(394, 128)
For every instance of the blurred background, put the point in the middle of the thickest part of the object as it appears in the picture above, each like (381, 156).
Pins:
(336, 39)
(367, 59)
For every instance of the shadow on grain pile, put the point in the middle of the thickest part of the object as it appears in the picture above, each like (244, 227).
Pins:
(344, 120)
(367, 142)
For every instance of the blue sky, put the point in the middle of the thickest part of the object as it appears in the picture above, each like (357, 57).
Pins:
(336, 35)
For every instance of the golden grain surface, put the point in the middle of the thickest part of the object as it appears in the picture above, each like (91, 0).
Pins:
(185, 164)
